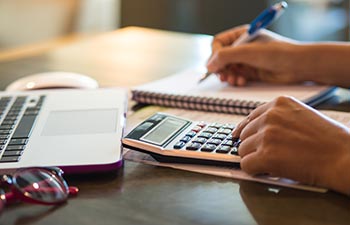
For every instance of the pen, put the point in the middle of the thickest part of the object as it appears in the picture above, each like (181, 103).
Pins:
(263, 20)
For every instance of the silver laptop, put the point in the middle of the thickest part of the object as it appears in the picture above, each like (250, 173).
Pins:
(76, 130)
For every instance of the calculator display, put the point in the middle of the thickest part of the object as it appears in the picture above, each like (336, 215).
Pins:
(164, 130)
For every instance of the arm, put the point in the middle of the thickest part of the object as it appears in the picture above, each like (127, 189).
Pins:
(327, 63)
(286, 138)
(274, 58)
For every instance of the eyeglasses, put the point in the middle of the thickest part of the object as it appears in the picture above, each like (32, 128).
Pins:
(36, 185)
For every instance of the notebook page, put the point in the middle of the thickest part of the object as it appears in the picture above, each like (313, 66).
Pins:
(186, 83)
(341, 117)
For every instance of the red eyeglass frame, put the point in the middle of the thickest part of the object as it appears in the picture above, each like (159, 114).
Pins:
(16, 194)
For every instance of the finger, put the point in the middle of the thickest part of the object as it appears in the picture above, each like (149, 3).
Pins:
(253, 164)
(248, 146)
(228, 37)
(232, 80)
(236, 133)
(250, 54)
(250, 73)
(252, 116)
(223, 77)
(241, 81)
(225, 73)
(216, 45)
(226, 56)
(250, 129)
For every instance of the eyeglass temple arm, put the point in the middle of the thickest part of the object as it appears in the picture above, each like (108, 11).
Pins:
(72, 190)
(11, 197)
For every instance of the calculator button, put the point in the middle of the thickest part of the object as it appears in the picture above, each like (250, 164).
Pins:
(229, 126)
(211, 130)
(234, 151)
(191, 134)
(157, 118)
(15, 147)
(8, 122)
(193, 146)
(201, 124)
(214, 141)
(216, 125)
(223, 149)
(10, 159)
(224, 131)
(5, 132)
(18, 141)
(196, 129)
(144, 127)
(220, 136)
(179, 145)
(229, 137)
(200, 140)
(228, 143)
(12, 153)
(208, 148)
(186, 139)
(205, 135)
(6, 127)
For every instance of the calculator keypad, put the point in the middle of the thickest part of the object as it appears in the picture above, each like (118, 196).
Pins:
(213, 137)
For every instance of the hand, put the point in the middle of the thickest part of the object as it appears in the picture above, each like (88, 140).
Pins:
(286, 138)
(269, 58)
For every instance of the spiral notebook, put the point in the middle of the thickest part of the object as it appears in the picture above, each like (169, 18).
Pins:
(182, 90)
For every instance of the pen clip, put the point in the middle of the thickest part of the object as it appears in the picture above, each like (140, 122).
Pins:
(266, 17)
(262, 21)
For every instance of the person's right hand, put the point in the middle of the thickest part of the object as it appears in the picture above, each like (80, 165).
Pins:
(286, 138)
(270, 58)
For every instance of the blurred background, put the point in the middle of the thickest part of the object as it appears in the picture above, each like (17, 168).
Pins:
(24, 22)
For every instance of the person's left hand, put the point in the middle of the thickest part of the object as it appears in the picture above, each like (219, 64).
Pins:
(286, 138)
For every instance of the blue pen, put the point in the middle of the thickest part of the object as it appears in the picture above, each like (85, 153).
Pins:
(263, 20)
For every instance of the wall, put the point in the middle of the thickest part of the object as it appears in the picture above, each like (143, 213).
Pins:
(195, 16)
(25, 22)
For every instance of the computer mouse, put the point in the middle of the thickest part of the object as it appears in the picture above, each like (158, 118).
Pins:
(50, 80)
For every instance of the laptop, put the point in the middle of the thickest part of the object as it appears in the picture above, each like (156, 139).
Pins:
(79, 131)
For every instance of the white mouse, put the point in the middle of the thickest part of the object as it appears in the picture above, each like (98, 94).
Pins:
(52, 80)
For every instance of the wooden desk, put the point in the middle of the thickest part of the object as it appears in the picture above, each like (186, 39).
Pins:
(143, 194)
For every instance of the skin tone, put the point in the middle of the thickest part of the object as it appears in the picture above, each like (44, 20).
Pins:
(285, 137)
(274, 58)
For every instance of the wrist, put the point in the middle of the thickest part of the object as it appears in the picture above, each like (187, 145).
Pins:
(300, 62)
(305, 63)
(314, 64)
(339, 171)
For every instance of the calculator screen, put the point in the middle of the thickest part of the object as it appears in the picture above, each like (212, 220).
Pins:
(164, 130)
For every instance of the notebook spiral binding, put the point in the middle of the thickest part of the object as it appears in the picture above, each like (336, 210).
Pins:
(208, 104)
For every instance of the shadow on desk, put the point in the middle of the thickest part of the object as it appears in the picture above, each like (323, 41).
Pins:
(90, 186)
(36, 213)
(273, 206)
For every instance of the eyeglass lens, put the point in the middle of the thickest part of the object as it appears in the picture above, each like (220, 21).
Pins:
(40, 185)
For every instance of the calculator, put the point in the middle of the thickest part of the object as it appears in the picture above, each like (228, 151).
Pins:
(172, 139)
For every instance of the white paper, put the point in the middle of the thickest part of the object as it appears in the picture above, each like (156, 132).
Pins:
(186, 83)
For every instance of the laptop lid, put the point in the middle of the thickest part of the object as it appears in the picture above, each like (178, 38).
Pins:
(79, 131)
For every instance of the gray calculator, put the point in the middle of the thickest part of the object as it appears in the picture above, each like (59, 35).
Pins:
(169, 138)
